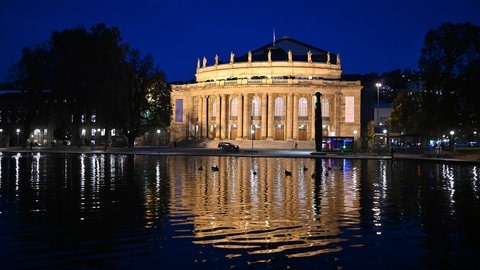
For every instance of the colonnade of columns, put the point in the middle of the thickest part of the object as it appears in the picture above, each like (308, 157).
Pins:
(218, 123)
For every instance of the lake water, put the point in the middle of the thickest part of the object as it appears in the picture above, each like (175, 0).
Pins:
(106, 211)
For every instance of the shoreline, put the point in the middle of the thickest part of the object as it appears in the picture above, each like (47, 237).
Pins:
(259, 152)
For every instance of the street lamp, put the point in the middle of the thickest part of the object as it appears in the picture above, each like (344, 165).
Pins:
(158, 139)
(83, 136)
(386, 138)
(18, 136)
(253, 133)
(378, 85)
(355, 132)
(452, 141)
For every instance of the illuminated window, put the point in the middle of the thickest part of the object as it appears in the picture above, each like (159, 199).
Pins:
(179, 110)
(234, 108)
(214, 108)
(325, 107)
(302, 108)
(256, 108)
(279, 112)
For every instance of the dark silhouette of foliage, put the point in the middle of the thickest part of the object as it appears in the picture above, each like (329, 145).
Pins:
(450, 63)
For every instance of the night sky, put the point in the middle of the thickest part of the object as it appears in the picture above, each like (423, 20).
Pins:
(370, 35)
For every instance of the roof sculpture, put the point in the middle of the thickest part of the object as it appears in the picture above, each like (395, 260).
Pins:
(287, 58)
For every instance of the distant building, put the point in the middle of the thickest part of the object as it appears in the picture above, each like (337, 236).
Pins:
(267, 94)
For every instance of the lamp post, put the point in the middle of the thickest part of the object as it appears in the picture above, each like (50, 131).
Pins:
(355, 132)
(253, 133)
(378, 85)
(83, 136)
(158, 139)
(18, 136)
(452, 141)
(386, 138)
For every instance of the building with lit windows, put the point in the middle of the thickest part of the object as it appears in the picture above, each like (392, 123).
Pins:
(267, 94)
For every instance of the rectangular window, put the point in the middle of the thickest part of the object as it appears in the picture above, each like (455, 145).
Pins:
(179, 110)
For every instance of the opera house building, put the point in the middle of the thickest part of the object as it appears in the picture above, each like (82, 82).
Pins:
(267, 94)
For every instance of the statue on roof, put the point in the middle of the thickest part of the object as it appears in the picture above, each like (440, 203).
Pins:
(204, 61)
(338, 59)
(249, 56)
(309, 56)
(328, 58)
(232, 57)
(198, 63)
(290, 56)
(216, 59)
(269, 55)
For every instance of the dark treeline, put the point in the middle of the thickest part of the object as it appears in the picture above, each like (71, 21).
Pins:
(88, 75)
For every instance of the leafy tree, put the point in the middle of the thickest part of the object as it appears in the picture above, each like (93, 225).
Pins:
(403, 118)
(92, 77)
(148, 95)
(450, 63)
(88, 65)
(33, 76)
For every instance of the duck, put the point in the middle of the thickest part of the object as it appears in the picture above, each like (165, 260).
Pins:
(200, 168)
(215, 168)
(305, 168)
(288, 173)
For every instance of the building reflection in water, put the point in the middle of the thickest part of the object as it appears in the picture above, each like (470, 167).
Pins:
(252, 205)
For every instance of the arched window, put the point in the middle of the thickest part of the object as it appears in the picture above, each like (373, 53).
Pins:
(256, 108)
(279, 113)
(214, 108)
(325, 107)
(234, 108)
(302, 109)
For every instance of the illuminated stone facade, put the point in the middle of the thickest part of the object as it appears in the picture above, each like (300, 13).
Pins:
(266, 94)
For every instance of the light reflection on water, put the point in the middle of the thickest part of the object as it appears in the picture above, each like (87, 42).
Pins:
(266, 212)
(134, 211)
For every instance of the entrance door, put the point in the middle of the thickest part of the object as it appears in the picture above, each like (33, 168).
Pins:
(233, 132)
(214, 131)
(279, 132)
(302, 133)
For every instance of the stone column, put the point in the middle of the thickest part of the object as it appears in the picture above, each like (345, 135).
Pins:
(338, 112)
(205, 117)
(246, 116)
(311, 114)
(270, 119)
(264, 122)
(218, 132)
(289, 116)
(240, 109)
(223, 117)
(199, 116)
(295, 117)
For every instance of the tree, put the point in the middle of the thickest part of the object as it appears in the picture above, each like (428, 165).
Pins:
(33, 76)
(148, 95)
(88, 65)
(402, 119)
(93, 80)
(450, 63)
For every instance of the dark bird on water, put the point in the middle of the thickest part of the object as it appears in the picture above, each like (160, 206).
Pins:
(215, 168)
(288, 173)
(200, 168)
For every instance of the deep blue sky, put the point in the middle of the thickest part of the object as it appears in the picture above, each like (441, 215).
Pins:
(370, 35)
